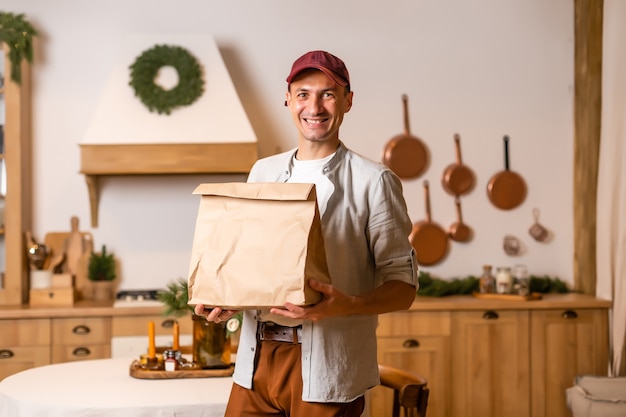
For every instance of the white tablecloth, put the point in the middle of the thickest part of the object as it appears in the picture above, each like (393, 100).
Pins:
(104, 388)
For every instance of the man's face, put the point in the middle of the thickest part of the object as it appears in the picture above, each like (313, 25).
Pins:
(317, 105)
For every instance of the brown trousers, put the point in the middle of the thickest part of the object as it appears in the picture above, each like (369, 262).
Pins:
(277, 388)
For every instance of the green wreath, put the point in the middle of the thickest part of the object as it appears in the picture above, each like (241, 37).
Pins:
(146, 67)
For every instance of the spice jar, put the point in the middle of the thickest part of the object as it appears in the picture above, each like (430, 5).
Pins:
(504, 280)
(171, 359)
(487, 281)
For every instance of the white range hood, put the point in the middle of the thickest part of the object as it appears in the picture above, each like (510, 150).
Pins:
(213, 135)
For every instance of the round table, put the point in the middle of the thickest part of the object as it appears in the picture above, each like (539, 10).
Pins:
(104, 388)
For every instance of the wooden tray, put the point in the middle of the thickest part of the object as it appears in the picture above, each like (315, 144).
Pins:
(137, 371)
(509, 297)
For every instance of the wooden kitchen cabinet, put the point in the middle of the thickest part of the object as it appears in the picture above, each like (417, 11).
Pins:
(490, 363)
(485, 358)
(418, 342)
(138, 325)
(75, 339)
(565, 343)
(24, 344)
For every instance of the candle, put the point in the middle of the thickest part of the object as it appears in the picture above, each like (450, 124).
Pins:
(175, 344)
(151, 347)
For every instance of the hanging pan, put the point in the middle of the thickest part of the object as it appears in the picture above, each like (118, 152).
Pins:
(506, 189)
(459, 231)
(405, 154)
(458, 179)
(428, 239)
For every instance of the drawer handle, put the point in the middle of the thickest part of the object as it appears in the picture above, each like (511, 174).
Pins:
(569, 314)
(6, 354)
(168, 324)
(81, 330)
(410, 344)
(490, 315)
(81, 351)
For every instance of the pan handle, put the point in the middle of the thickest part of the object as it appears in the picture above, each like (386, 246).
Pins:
(457, 146)
(506, 152)
(457, 201)
(405, 105)
(427, 200)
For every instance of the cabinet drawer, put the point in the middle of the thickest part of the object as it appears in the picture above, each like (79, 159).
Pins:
(17, 359)
(138, 326)
(24, 332)
(414, 323)
(79, 353)
(81, 331)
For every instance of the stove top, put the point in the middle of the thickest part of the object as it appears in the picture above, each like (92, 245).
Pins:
(137, 298)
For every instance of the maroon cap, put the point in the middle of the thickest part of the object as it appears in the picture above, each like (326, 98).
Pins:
(326, 62)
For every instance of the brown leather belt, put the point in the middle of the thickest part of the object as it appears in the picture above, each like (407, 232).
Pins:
(277, 333)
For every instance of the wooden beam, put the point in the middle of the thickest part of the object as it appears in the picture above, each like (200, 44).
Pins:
(587, 118)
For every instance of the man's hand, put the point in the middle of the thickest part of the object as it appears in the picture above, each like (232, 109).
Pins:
(391, 296)
(215, 314)
(334, 303)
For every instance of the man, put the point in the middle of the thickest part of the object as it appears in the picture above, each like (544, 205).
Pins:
(319, 360)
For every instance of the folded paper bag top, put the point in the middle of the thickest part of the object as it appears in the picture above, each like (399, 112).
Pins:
(255, 245)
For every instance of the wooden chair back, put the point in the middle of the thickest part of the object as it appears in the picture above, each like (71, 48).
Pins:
(410, 391)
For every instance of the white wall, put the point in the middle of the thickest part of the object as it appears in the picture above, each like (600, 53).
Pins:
(482, 68)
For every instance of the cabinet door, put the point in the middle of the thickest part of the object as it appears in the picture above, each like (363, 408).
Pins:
(417, 341)
(425, 355)
(490, 364)
(17, 359)
(565, 343)
(24, 344)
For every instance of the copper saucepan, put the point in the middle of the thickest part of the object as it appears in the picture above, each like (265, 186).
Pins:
(428, 238)
(458, 179)
(459, 231)
(405, 154)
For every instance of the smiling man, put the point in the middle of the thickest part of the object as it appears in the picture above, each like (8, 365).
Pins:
(320, 360)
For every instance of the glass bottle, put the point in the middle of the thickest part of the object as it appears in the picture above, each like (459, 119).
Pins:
(170, 359)
(504, 280)
(487, 281)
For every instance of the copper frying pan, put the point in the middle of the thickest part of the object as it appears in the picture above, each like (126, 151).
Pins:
(405, 154)
(458, 179)
(506, 189)
(429, 239)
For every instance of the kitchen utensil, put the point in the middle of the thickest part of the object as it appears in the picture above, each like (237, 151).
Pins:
(506, 189)
(537, 231)
(459, 231)
(428, 238)
(458, 179)
(405, 154)
(511, 245)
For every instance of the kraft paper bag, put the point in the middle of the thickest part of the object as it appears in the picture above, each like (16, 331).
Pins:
(255, 245)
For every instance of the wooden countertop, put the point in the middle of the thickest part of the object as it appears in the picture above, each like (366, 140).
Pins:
(80, 309)
(468, 302)
(449, 303)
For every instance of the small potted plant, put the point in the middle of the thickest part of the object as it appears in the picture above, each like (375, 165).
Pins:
(211, 341)
(101, 273)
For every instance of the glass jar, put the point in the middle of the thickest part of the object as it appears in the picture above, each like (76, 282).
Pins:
(487, 281)
(522, 280)
(171, 359)
(504, 280)
(211, 347)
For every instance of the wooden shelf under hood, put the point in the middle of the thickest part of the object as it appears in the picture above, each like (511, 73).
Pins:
(98, 160)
